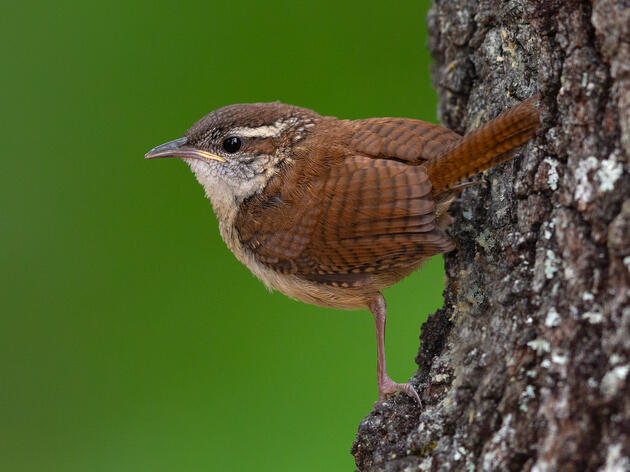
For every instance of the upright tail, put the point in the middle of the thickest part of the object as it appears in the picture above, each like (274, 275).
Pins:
(485, 146)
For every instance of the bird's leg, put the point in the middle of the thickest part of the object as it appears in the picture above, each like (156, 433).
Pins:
(386, 386)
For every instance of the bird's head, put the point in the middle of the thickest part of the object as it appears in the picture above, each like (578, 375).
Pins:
(235, 150)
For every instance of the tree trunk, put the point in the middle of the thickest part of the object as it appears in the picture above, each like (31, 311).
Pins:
(527, 365)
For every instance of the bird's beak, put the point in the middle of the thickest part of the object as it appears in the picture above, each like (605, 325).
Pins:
(178, 148)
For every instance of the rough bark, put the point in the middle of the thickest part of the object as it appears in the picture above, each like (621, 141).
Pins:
(527, 365)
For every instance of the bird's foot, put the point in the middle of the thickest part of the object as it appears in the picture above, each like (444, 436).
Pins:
(388, 387)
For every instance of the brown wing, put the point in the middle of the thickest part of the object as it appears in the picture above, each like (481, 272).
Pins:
(413, 141)
(359, 217)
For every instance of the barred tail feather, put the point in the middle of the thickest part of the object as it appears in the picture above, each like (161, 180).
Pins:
(485, 146)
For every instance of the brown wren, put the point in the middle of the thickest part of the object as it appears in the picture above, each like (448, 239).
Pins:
(331, 212)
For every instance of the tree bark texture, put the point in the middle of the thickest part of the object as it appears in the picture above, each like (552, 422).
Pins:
(527, 366)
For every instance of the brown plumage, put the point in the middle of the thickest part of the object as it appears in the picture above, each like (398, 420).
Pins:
(485, 146)
(331, 211)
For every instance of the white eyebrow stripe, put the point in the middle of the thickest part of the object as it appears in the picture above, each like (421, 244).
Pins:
(266, 131)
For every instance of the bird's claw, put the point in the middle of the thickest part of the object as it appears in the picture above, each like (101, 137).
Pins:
(388, 387)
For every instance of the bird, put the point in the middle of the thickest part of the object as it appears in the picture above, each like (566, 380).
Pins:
(330, 211)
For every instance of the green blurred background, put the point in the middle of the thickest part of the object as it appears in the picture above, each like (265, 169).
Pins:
(131, 339)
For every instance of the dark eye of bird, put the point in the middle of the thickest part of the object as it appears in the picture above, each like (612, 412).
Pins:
(232, 144)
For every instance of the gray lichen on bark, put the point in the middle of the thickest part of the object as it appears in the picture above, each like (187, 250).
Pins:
(527, 366)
